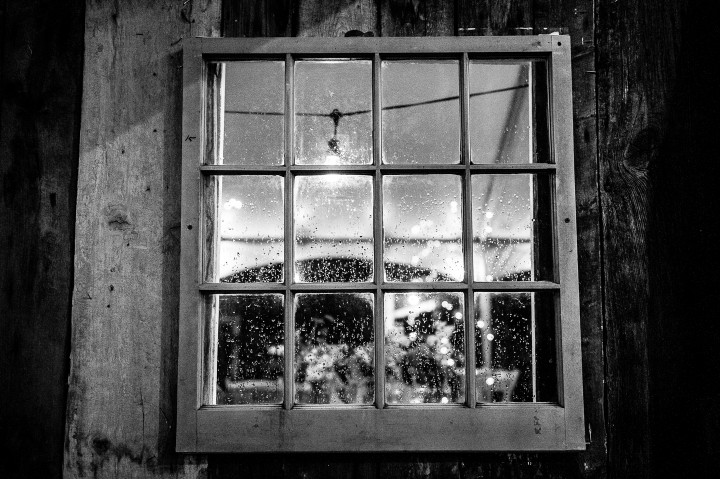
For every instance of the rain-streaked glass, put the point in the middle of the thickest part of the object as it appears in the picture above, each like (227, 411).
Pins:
(250, 349)
(503, 227)
(333, 112)
(250, 229)
(333, 228)
(509, 329)
(500, 123)
(254, 104)
(334, 349)
(424, 348)
(422, 221)
(421, 112)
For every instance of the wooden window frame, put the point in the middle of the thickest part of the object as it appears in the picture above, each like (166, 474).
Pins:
(469, 427)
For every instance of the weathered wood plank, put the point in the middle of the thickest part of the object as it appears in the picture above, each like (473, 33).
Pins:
(578, 19)
(658, 130)
(331, 18)
(635, 76)
(121, 405)
(495, 17)
(417, 18)
(40, 80)
(252, 18)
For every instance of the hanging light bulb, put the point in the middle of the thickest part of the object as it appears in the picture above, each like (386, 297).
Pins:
(333, 143)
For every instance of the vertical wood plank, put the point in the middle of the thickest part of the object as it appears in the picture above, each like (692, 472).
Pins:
(122, 392)
(334, 18)
(655, 118)
(495, 17)
(253, 18)
(578, 19)
(417, 18)
(41, 46)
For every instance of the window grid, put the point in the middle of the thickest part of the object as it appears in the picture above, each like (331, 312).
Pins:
(378, 286)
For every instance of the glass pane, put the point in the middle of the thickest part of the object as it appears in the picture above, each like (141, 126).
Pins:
(250, 349)
(421, 112)
(500, 122)
(510, 365)
(250, 229)
(333, 112)
(422, 218)
(511, 228)
(334, 350)
(333, 228)
(254, 121)
(424, 348)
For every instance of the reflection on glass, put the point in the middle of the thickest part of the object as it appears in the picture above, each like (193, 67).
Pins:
(253, 115)
(333, 119)
(500, 123)
(502, 227)
(251, 229)
(424, 348)
(333, 228)
(334, 349)
(422, 219)
(421, 112)
(250, 349)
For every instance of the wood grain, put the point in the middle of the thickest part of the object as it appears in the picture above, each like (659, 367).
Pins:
(578, 18)
(253, 18)
(121, 404)
(408, 18)
(40, 84)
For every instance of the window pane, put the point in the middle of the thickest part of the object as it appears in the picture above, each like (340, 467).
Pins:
(512, 238)
(422, 218)
(421, 112)
(500, 123)
(250, 229)
(333, 112)
(333, 228)
(254, 113)
(506, 368)
(424, 348)
(334, 349)
(250, 349)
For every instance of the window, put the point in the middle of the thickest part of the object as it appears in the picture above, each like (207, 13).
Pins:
(378, 246)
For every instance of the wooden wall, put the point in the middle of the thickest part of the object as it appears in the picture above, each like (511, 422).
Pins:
(41, 57)
(644, 104)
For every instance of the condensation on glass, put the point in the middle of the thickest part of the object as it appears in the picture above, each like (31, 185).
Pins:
(500, 129)
(333, 112)
(250, 348)
(511, 227)
(328, 222)
(421, 112)
(515, 347)
(252, 112)
(424, 348)
(248, 239)
(422, 221)
(333, 228)
(334, 348)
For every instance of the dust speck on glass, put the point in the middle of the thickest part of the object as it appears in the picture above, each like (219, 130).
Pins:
(373, 234)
